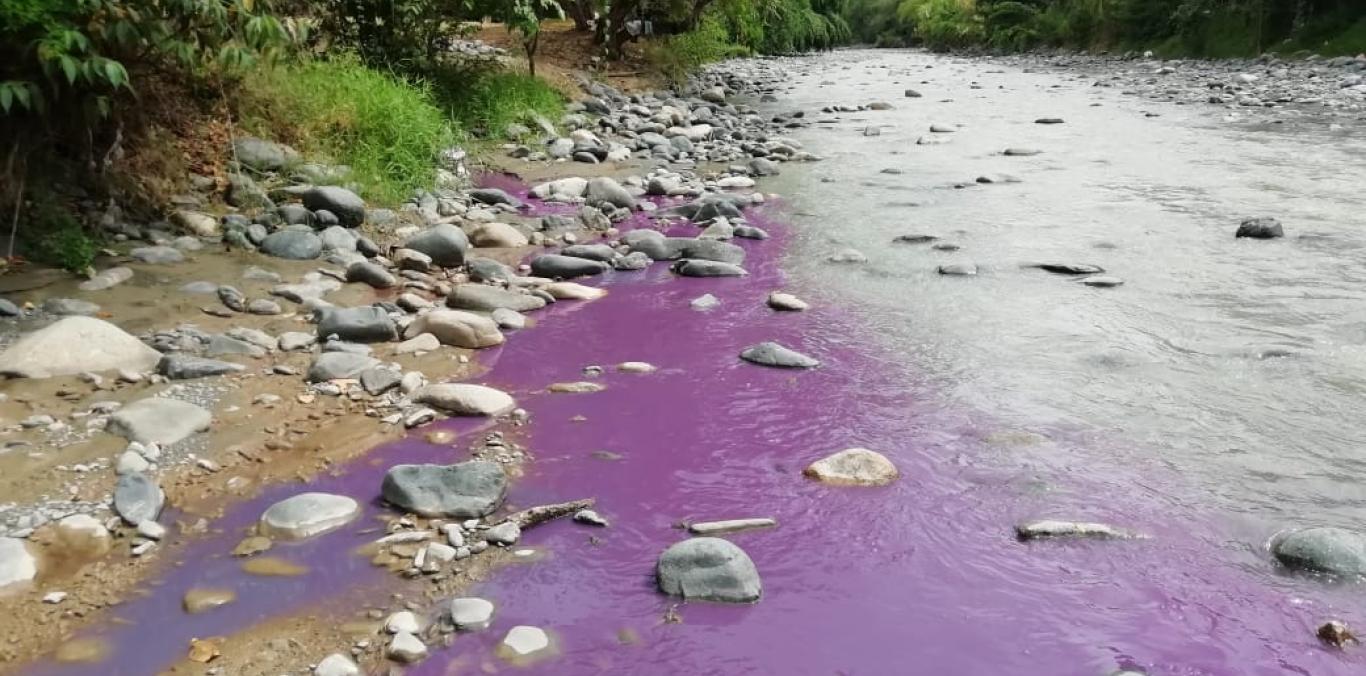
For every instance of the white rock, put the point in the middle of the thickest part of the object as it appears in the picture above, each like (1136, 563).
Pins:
(131, 461)
(402, 622)
(336, 664)
(151, 530)
(54, 597)
(74, 345)
(573, 291)
(465, 399)
(158, 420)
(505, 533)
(636, 367)
(16, 562)
(523, 640)
(406, 648)
(425, 342)
(853, 466)
(308, 514)
(471, 613)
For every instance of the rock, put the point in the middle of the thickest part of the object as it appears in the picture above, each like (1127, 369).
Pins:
(107, 279)
(913, 94)
(308, 514)
(604, 190)
(465, 399)
(290, 341)
(220, 345)
(470, 614)
(504, 534)
(84, 532)
(497, 235)
(69, 307)
(457, 328)
(750, 232)
(1324, 549)
(181, 366)
(590, 517)
(636, 367)
(1260, 228)
(483, 298)
(293, 244)
(580, 387)
(445, 244)
(853, 467)
(137, 498)
(488, 270)
(306, 290)
(847, 256)
(337, 238)
(335, 365)
(730, 526)
(708, 569)
(1049, 120)
(1336, 634)
(942, 129)
(263, 156)
(367, 324)
(195, 222)
(407, 259)
(131, 461)
(1103, 281)
(508, 319)
(958, 269)
(402, 621)
(17, 564)
(494, 196)
(373, 274)
(466, 490)
(786, 302)
(572, 186)
(425, 342)
(701, 268)
(346, 205)
(151, 530)
(565, 267)
(772, 354)
(158, 420)
(336, 664)
(406, 648)
(704, 302)
(75, 345)
(1038, 530)
(1069, 268)
(593, 252)
(573, 291)
(1021, 152)
(524, 641)
(377, 381)
(9, 309)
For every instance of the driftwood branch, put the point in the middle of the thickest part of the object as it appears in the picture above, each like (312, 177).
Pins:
(543, 513)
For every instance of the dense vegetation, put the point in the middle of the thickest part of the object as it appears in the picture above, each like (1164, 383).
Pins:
(1219, 28)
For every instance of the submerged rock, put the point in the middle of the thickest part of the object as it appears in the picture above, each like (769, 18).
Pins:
(853, 467)
(75, 345)
(158, 420)
(770, 353)
(525, 641)
(1260, 228)
(308, 514)
(556, 266)
(708, 569)
(483, 298)
(466, 490)
(1048, 528)
(1325, 549)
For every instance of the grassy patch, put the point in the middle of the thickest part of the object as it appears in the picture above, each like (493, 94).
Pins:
(388, 129)
(50, 234)
(1329, 37)
(486, 100)
(678, 56)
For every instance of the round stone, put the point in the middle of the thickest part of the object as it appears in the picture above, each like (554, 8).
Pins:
(308, 514)
(708, 569)
(471, 613)
(853, 467)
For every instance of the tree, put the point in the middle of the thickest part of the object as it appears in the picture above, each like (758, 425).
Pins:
(524, 18)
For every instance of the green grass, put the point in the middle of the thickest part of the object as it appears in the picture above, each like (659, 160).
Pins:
(388, 129)
(1326, 38)
(486, 101)
(678, 56)
(51, 234)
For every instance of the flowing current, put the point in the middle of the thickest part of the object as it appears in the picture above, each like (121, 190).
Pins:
(1206, 403)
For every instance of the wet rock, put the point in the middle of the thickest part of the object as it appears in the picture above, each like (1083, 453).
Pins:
(17, 564)
(466, 490)
(556, 266)
(336, 664)
(590, 518)
(465, 399)
(1103, 281)
(604, 190)
(1069, 268)
(69, 307)
(471, 614)
(942, 129)
(769, 353)
(367, 324)
(406, 648)
(377, 381)
(488, 270)
(483, 298)
(508, 319)
(636, 367)
(335, 365)
(1260, 228)
(786, 302)
(293, 244)
(158, 420)
(958, 269)
(580, 387)
(569, 187)
(262, 155)
(348, 207)
(572, 291)
(497, 235)
(291, 341)
(708, 569)
(704, 302)
(231, 298)
(730, 526)
(593, 252)
(524, 641)
(195, 222)
(1021, 152)
(445, 244)
(1049, 120)
(373, 274)
(1328, 550)
(308, 514)
(1336, 634)
(425, 342)
(9, 309)
(457, 328)
(913, 94)
(853, 467)
(847, 256)
(702, 268)
(1049, 528)
(107, 279)
(402, 621)
(137, 498)
(75, 345)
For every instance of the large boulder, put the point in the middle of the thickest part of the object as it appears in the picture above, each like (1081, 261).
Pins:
(365, 324)
(158, 420)
(181, 366)
(770, 353)
(466, 490)
(604, 190)
(1328, 550)
(334, 365)
(1260, 228)
(308, 514)
(708, 569)
(494, 196)
(76, 345)
(690, 267)
(138, 498)
(262, 155)
(497, 235)
(465, 399)
(347, 206)
(299, 244)
(556, 266)
(853, 467)
(457, 328)
(482, 298)
(571, 186)
(445, 244)
(17, 563)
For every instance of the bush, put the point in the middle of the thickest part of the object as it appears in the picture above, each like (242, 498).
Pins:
(486, 99)
(51, 235)
(678, 56)
(387, 128)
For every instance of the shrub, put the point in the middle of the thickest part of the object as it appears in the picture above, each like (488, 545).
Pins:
(51, 235)
(484, 98)
(678, 56)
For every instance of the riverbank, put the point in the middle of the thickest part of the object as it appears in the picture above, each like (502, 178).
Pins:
(697, 435)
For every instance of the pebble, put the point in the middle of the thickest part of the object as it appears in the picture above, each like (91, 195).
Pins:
(401, 622)
(471, 614)
(524, 641)
(406, 648)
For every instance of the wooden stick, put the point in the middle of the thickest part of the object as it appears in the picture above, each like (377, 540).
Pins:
(540, 514)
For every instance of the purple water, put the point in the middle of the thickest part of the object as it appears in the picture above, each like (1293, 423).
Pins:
(921, 577)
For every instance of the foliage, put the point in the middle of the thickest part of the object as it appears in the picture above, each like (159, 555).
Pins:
(678, 56)
(399, 34)
(484, 99)
(387, 128)
(50, 234)
(524, 18)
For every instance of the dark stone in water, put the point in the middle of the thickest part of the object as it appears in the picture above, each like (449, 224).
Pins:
(565, 267)
(1260, 228)
(914, 239)
(1069, 268)
(1327, 550)
(1048, 120)
(708, 569)
(770, 353)
(689, 267)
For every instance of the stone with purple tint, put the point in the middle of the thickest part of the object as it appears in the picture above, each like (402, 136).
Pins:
(853, 467)
(769, 353)
(1052, 528)
(466, 490)
(708, 569)
(1324, 549)
(689, 267)
(556, 266)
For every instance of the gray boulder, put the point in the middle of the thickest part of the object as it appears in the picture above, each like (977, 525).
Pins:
(1260, 228)
(593, 252)
(604, 190)
(769, 353)
(466, 490)
(334, 365)
(137, 498)
(700, 268)
(293, 243)
(308, 514)
(373, 274)
(488, 270)
(337, 238)
(565, 267)
(445, 244)
(262, 155)
(708, 569)
(70, 307)
(482, 298)
(180, 366)
(494, 196)
(157, 255)
(367, 324)
(348, 207)
(76, 345)
(157, 420)
(1328, 550)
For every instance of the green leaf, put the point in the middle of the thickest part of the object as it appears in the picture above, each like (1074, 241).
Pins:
(21, 93)
(114, 71)
(6, 96)
(69, 67)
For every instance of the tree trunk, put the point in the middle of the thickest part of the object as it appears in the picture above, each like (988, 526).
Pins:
(530, 44)
(581, 11)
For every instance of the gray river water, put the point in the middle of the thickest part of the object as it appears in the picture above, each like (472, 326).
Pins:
(1237, 365)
